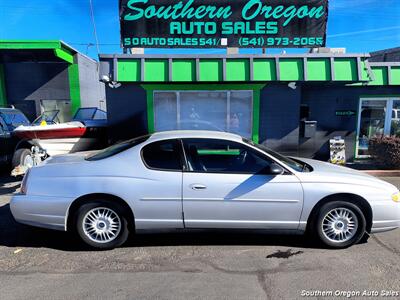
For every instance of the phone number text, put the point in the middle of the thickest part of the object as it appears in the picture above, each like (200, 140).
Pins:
(280, 41)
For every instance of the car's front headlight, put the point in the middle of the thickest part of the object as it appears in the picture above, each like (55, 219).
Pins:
(396, 197)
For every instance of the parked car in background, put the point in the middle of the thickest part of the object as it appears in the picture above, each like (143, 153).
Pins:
(13, 150)
(202, 179)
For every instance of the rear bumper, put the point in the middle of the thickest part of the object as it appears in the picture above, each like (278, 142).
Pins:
(40, 211)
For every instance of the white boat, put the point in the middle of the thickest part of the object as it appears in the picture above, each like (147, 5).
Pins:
(84, 132)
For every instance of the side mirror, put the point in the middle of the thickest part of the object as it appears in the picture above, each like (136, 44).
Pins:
(275, 169)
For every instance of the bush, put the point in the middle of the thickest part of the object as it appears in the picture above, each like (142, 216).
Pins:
(386, 150)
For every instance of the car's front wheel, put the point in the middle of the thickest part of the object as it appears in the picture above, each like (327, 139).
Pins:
(102, 224)
(340, 224)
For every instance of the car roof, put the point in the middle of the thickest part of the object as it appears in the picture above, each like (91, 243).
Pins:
(163, 135)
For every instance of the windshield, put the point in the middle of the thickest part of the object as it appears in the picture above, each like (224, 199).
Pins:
(85, 114)
(295, 165)
(47, 116)
(90, 113)
(117, 148)
(100, 115)
(14, 119)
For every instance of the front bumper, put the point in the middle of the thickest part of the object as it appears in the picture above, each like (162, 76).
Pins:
(386, 216)
(41, 211)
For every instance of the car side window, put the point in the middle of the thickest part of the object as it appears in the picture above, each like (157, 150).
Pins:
(163, 155)
(221, 156)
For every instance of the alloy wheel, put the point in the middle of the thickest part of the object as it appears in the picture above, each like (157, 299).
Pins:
(101, 225)
(339, 225)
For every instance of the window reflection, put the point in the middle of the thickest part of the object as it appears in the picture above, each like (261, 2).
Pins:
(204, 110)
(372, 122)
(377, 118)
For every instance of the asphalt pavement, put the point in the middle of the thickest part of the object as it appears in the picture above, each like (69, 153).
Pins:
(44, 264)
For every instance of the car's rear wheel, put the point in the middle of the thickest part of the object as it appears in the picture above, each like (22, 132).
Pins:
(102, 224)
(340, 224)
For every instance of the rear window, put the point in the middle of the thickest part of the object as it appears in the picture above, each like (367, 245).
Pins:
(117, 148)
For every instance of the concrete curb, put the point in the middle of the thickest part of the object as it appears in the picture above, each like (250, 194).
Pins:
(383, 173)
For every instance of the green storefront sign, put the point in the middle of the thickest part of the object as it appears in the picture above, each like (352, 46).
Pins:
(206, 23)
(345, 113)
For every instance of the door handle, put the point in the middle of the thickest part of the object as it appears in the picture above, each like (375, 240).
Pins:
(197, 186)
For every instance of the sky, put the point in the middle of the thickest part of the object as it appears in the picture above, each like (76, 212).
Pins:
(358, 25)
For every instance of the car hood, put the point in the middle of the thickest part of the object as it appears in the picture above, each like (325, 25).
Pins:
(327, 172)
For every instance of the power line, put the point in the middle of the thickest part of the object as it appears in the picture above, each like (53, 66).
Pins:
(94, 27)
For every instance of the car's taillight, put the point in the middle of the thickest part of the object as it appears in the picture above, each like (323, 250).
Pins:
(24, 189)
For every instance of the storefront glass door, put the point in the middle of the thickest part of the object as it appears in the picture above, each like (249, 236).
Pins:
(377, 117)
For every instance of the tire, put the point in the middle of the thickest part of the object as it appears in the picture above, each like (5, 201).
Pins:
(100, 232)
(339, 224)
(365, 238)
(20, 156)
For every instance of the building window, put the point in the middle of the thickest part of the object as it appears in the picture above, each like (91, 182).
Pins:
(377, 117)
(229, 111)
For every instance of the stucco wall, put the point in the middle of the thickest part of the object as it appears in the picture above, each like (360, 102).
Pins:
(127, 112)
(27, 83)
(92, 90)
(279, 117)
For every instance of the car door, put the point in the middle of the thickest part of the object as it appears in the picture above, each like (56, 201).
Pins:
(160, 193)
(227, 185)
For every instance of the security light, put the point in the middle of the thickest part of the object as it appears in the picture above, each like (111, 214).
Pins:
(292, 85)
(114, 84)
(105, 78)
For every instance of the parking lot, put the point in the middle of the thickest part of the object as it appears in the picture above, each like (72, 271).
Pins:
(36, 263)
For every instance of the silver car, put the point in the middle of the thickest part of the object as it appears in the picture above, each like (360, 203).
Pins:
(202, 179)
